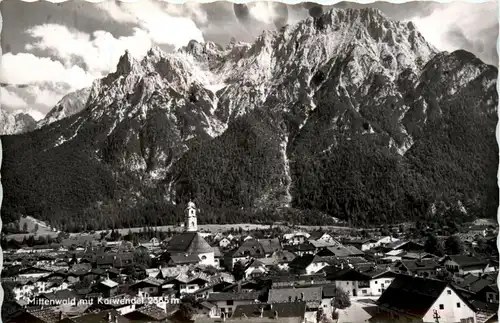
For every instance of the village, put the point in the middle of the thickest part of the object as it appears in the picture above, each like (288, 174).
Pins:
(271, 275)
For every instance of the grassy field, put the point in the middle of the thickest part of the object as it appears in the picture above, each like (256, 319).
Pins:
(226, 227)
(212, 228)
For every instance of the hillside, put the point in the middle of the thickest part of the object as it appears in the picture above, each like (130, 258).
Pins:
(349, 115)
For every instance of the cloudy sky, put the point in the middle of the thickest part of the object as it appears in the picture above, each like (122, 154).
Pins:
(56, 48)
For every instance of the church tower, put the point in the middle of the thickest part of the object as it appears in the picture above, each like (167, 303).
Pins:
(191, 222)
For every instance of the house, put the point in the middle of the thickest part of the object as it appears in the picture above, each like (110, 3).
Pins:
(312, 296)
(45, 315)
(473, 283)
(107, 287)
(323, 237)
(363, 245)
(463, 264)
(276, 312)
(256, 269)
(350, 280)
(295, 238)
(403, 245)
(307, 264)
(416, 299)
(227, 302)
(182, 259)
(99, 317)
(340, 251)
(380, 279)
(270, 246)
(187, 283)
(148, 313)
(385, 240)
(427, 268)
(301, 249)
(148, 286)
(248, 249)
(224, 243)
(297, 281)
(416, 255)
(283, 258)
(488, 294)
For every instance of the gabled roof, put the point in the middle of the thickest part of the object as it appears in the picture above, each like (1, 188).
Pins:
(150, 281)
(308, 294)
(270, 245)
(188, 242)
(45, 315)
(250, 296)
(294, 309)
(150, 311)
(396, 244)
(250, 248)
(346, 274)
(467, 261)
(304, 261)
(412, 295)
(179, 259)
(108, 283)
(423, 264)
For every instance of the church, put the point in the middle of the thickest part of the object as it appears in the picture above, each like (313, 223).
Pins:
(190, 243)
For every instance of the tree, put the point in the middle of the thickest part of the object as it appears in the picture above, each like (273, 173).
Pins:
(185, 312)
(238, 270)
(25, 227)
(340, 299)
(453, 245)
(431, 245)
(142, 258)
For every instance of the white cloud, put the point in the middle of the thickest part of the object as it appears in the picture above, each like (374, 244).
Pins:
(49, 79)
(100, 51)
(470, 19)
(11, 100)
(153, 17)
(25, 68)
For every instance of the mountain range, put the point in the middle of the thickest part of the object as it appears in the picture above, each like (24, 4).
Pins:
(348, 115)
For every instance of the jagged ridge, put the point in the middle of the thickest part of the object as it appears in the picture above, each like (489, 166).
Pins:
(318, 97)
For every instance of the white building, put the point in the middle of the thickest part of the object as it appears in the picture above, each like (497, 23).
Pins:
(227, 302)
(190, 218)
(190, 242)
(415, 299)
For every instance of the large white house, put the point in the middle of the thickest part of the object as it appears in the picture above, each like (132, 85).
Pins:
(416, 299)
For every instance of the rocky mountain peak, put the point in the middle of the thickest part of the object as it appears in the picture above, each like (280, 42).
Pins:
(15, 122)
(349, 113)
(127, 64)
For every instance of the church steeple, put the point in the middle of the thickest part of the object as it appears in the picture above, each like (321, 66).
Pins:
(191, 221)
